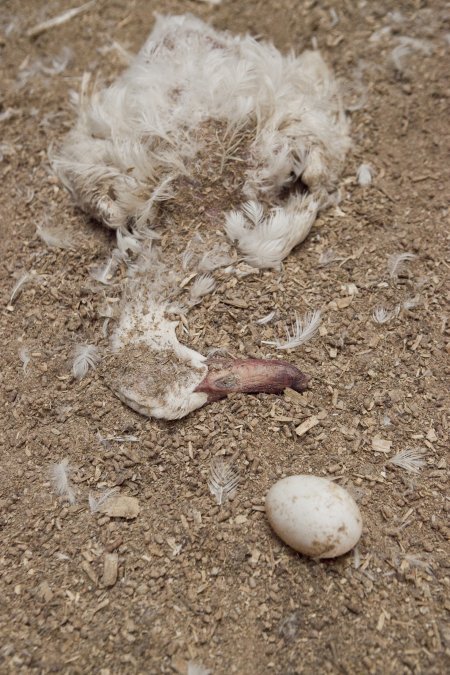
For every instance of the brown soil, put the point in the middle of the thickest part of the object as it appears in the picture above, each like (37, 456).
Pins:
(198, 582)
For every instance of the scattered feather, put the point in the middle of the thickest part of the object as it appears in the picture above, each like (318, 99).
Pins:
(105, 328)
(51, 66)
(223, 480)
(60, 19)
(413, 562)
(214, 259)
(127, 242)
(24, 356)
(85, 357)
(8, 114)
(202, 285)
(407, 46)
(383, 315)
(412, 460)
(59, 555)
(364, 175)
(175, 548)
(6, 150)
(411, 303)
(328, 257)
(334, 17)
(386, 421)
(396, 263)
(96, 502)
(104, 274)
(266, 319)
(55, 237)
(20, 284)
(300, 332)
(60, 477)
(187, 259)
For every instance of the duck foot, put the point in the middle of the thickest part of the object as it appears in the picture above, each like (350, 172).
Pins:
(250, 376)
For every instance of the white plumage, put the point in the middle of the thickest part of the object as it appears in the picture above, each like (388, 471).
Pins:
(139, 142)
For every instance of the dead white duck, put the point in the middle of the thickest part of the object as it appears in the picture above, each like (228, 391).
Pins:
(199, 108)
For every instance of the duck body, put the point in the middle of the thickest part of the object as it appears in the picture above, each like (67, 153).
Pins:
(230, 128)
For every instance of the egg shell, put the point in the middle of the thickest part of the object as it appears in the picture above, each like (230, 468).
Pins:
(314, 516)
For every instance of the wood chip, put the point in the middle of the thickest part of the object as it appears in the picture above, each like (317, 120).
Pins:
(235, 302)
(381, 445)
(342, 303)
(295, 396)
(240, 520)
(120, 506)
(305, 426)
(44, 592)
(110, 569)
(88, 569)
(431, 436)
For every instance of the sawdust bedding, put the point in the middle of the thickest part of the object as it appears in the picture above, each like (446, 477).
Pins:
(196, 586)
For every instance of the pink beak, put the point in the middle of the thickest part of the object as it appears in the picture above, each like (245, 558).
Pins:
(250, 376)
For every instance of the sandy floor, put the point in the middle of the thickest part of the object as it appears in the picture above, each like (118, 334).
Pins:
(197, 583)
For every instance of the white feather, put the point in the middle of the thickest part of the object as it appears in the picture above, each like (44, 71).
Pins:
(396, 263)
(382, 315)
(6, 150)
(104, 274)
(299, 333)
(127, 242)
(188, 259)
(406, 46)
(265, 242)
(254, 211)
(45, 67)
(96, 502)
(24, 279)
(223, 480)
(24, 356)
(364, 175)
(328, 257)
(59, 19)
(203, 284)
(411, 460)
(60, 477)
(266, 319)
(85, 357)
(55, 237)
(411, 303)
(212, 260)
(235, 226)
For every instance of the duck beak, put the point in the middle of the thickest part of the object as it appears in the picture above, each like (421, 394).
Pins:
(250, 376)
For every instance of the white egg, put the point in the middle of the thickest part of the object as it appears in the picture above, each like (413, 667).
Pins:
(314, 516)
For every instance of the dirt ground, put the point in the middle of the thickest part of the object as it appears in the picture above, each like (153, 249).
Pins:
(201, 585)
